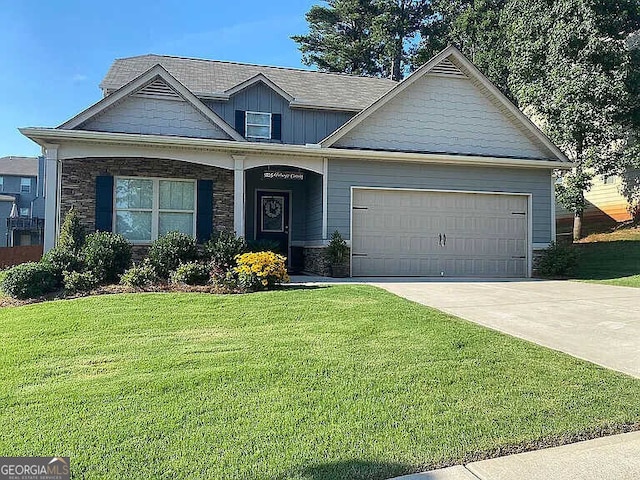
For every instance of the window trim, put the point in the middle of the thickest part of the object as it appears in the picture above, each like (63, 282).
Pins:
(1, 183)
(155, 205)
(22, 185)
(21, 209)
(247, 125)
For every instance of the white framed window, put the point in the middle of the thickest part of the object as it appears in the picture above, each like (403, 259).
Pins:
(258, 125)
(147, 208)
(608, 179)
(1, 184)
(25, 185)
(25, 211)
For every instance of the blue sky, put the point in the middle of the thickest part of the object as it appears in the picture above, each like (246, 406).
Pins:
(55, 53)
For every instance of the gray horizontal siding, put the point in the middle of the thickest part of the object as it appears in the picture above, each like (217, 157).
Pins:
(346, 173)
(151, 116)
(299, 126)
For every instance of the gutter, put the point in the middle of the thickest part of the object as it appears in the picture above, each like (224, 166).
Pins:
(44, 136)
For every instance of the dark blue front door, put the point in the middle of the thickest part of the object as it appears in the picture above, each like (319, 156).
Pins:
(273, 219)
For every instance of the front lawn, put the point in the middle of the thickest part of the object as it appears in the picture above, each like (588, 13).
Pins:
(611, 258)
(342, 382)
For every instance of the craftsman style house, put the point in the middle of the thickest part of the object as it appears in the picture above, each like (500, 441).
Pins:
(436, 175)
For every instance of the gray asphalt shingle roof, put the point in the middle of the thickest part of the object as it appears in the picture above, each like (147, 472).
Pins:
(209, 77)
(26, 166)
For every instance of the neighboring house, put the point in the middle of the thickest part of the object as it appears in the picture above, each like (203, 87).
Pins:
(606, 207)
(436, 175)
(21, 201)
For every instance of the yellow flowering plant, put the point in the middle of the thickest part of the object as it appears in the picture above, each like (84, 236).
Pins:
(261, 270)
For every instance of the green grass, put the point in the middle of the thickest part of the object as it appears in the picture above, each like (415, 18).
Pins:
(341, 382)
(611, 258)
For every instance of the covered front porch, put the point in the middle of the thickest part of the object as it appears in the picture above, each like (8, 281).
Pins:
(284, 210)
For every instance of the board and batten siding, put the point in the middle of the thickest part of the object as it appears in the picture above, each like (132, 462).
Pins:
(155, 116)
(299, 126)
(343, 174)
(443, 115)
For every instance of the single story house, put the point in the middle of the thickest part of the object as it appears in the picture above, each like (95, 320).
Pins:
(436, 175)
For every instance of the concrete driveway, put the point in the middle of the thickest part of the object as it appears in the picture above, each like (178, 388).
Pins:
(599, 323)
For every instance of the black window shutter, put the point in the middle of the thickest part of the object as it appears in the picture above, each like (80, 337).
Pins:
(204, 214)
(104, 203)
(276, 126)
(240, 122)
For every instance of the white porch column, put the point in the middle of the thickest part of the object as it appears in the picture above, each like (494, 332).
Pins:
(51, 196)
(238, 194)
(325, 174)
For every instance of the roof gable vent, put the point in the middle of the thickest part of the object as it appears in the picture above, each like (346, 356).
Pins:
(158, 89)
(446, 67)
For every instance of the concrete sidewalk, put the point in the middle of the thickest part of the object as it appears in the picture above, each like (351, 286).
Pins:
(608, 458)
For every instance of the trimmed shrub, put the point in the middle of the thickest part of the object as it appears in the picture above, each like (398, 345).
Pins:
(107, 255)
(72, 233)
(75, 282)
(262, 245)
(557, 261)
(63, 260)
(191, 273)
(222, 250)
(30, 280)
(170, 250)
(261, 270)
(138, 276)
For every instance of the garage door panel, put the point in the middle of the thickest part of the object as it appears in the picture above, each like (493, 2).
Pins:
(398, 232)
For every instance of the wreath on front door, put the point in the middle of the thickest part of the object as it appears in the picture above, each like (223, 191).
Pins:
(272, 208)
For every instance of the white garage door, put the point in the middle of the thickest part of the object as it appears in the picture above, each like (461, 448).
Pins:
(420, 233)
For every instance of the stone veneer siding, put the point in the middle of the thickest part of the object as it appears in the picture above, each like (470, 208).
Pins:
(79, 184)
(316, 262)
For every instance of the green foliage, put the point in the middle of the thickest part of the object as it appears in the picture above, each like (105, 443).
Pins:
(107, 255)
(570, 193)
(221, 250)
(190, 273)
(30, 280)
(63, 260)
(558, 261)
(262, 245)
(337, 250)
(140, 275)
(75, 282)
(72, 233)
(170, 250)
(375, 37)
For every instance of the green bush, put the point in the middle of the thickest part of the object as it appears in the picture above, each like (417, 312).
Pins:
(222, 249)
(170, 250)
(72, 233)
(79, 281)
(63, 260)
(107, 255)
(30, 280)
(191, 273)
(557, 261)
(262, 245)
(139, 276)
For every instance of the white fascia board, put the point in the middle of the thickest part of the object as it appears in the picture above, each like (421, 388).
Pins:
(157, 71)
(260, 77)
(472, 72)
(43, 136)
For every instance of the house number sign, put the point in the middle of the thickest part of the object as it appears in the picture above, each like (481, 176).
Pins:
(280, 175)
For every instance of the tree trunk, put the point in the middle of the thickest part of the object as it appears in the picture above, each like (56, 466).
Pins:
(577, 219)
(577, 226)
(396, 63)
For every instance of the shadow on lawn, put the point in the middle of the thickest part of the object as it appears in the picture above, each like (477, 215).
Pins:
(354, 470)
(607, 260)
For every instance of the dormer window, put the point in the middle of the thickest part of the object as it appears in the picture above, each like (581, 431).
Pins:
(258, 125)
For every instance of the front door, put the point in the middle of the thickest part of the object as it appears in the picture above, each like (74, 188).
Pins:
(273, 220)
